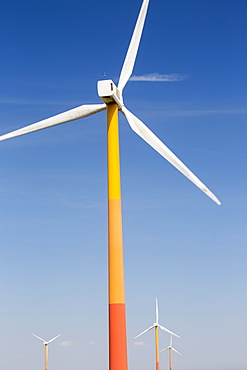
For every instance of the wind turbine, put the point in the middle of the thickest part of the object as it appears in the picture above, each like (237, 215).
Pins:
(113, 102)
(46, 348)
(156, 326)
(170, 349)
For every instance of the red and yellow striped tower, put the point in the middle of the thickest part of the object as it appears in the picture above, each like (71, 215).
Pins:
(157, 348)
(117, 318)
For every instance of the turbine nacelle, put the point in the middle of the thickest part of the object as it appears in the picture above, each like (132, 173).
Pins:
(109, 93)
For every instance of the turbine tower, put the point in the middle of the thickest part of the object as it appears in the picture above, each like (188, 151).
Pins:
(46, 348)
(156, 326)
(112, 97)
(170, 349)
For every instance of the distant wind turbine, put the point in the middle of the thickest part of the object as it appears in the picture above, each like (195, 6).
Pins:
(46, 348)
(156, 326)
(170, 349)
(112, 97)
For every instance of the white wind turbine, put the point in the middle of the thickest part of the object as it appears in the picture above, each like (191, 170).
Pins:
(156, 326)
(112, 97)
(109, 93)
(46, 348)
(170, 349)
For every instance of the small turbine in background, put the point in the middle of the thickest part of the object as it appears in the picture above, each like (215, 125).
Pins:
(156, 326)
(46, 348)
(170, 349)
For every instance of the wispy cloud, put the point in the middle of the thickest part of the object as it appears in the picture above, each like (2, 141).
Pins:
(203, 112)
(17, 101)
(157, 77)
(66, 344)
(92, 343)
(139, 344)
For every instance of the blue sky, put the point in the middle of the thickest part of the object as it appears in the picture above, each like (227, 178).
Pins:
(179, 246)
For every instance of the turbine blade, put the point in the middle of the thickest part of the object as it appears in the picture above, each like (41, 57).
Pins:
(38, 337)
(70, 115)
(168, 331)
(151, 327)
(176, 351)
(130, 58)
(146, 134)
(157, 311)
(171, 341)
(51, 340)
(164, 349)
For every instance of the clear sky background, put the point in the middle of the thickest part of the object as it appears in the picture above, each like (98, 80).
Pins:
(179, 246)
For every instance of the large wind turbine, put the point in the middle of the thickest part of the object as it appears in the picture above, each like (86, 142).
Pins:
(46, 348)
(113, 102)
(170, 349)
(156, 326)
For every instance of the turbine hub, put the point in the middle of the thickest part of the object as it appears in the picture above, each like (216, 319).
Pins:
(109, 93)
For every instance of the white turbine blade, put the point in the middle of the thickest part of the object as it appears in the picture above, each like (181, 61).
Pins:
(51, 340)
(146, 134)
(157, 311)
(151, 327)
(164, 349)
(70, 115)
(176, 351)
(38, 337)
(168, 331)
(130, 58)
(171, 341)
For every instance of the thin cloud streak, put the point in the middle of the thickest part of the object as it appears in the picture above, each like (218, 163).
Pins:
(66, 344)
(139, 344)
(203, 112)
(157, 77)
(37, 102)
